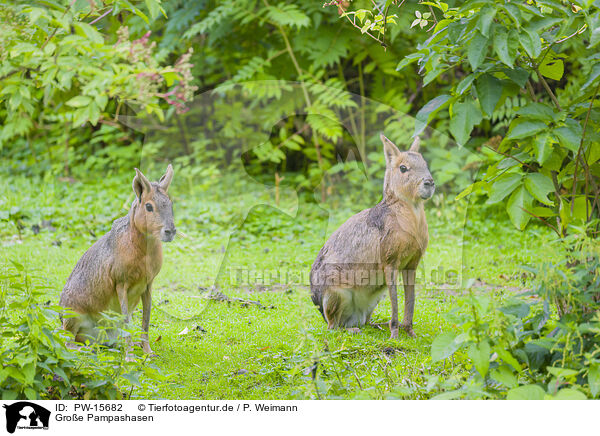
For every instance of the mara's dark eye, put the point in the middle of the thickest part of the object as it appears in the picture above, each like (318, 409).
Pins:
(149, 207)
(403, 169)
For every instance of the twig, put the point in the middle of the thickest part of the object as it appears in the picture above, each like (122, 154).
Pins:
(542, 220)
(359, 28)
(578, 32)
(7, 75)
(530, 90)
(547, 88)
(56, 28)
(557, 193)
(219, 296)
(585, 124)
(101, 16)
(433, 15)
(510, 156)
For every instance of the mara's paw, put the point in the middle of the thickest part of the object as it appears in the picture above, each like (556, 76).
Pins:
(409, 331)
(353, 330)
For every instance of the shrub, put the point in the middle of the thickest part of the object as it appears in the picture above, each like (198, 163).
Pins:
(35, 361)
(524, 349)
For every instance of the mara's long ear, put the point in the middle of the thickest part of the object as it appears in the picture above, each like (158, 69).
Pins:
(165, 180)
(415, 145)
(389, 150)
(140, 184)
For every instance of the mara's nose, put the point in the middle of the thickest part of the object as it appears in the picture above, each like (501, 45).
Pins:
(429, 182)
(170, 232)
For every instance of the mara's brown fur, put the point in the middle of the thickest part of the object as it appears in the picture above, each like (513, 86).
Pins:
(118, 270)
(350, 274)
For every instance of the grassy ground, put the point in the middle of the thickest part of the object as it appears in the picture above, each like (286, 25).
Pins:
(268, 341)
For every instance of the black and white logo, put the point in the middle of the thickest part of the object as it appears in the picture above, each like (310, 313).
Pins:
(26, 415)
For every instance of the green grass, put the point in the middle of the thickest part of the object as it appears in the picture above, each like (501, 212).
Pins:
(281, 348)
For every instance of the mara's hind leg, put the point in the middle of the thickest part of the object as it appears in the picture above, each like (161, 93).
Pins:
(341, 310)
(332, 303)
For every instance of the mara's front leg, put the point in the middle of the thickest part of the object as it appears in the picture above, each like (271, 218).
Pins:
(147, 307)
(391, 277)
(123, 302)
(408, 279)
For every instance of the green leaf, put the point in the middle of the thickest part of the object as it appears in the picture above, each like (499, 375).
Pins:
(569, 394)
(504, 375)
(480, 355)
(594, 74)
(505, 47)
(287, 14)
(531, 42)
(426, 113)
(409, 59)
(9, 395)
(133, 378)
(539, 185)
(530, 8)
(560, 372)
(465, 116)
(517, 203)
(465, 83)
(450, 395)
(79, 101)
(93, 113)
(153, 7)
(552, 68)
(580, 208)
(543, 147)
(536, 354)
(30, 394)
(80, 116)
(486, 16)
(444, 345)
(537, 111)
(520, 129)
(49, 49)
(527, 392)
(518, 75)
(513, 12)
(17, 265)
(84, 29)
(101, 101)
(489, 91)
(543, 212)
(29, 372)
(593, 22)
(504, 186)
(594, 379)
(570, 134)
(477, 49)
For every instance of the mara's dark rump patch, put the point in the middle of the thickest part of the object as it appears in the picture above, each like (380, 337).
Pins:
(377, 214)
